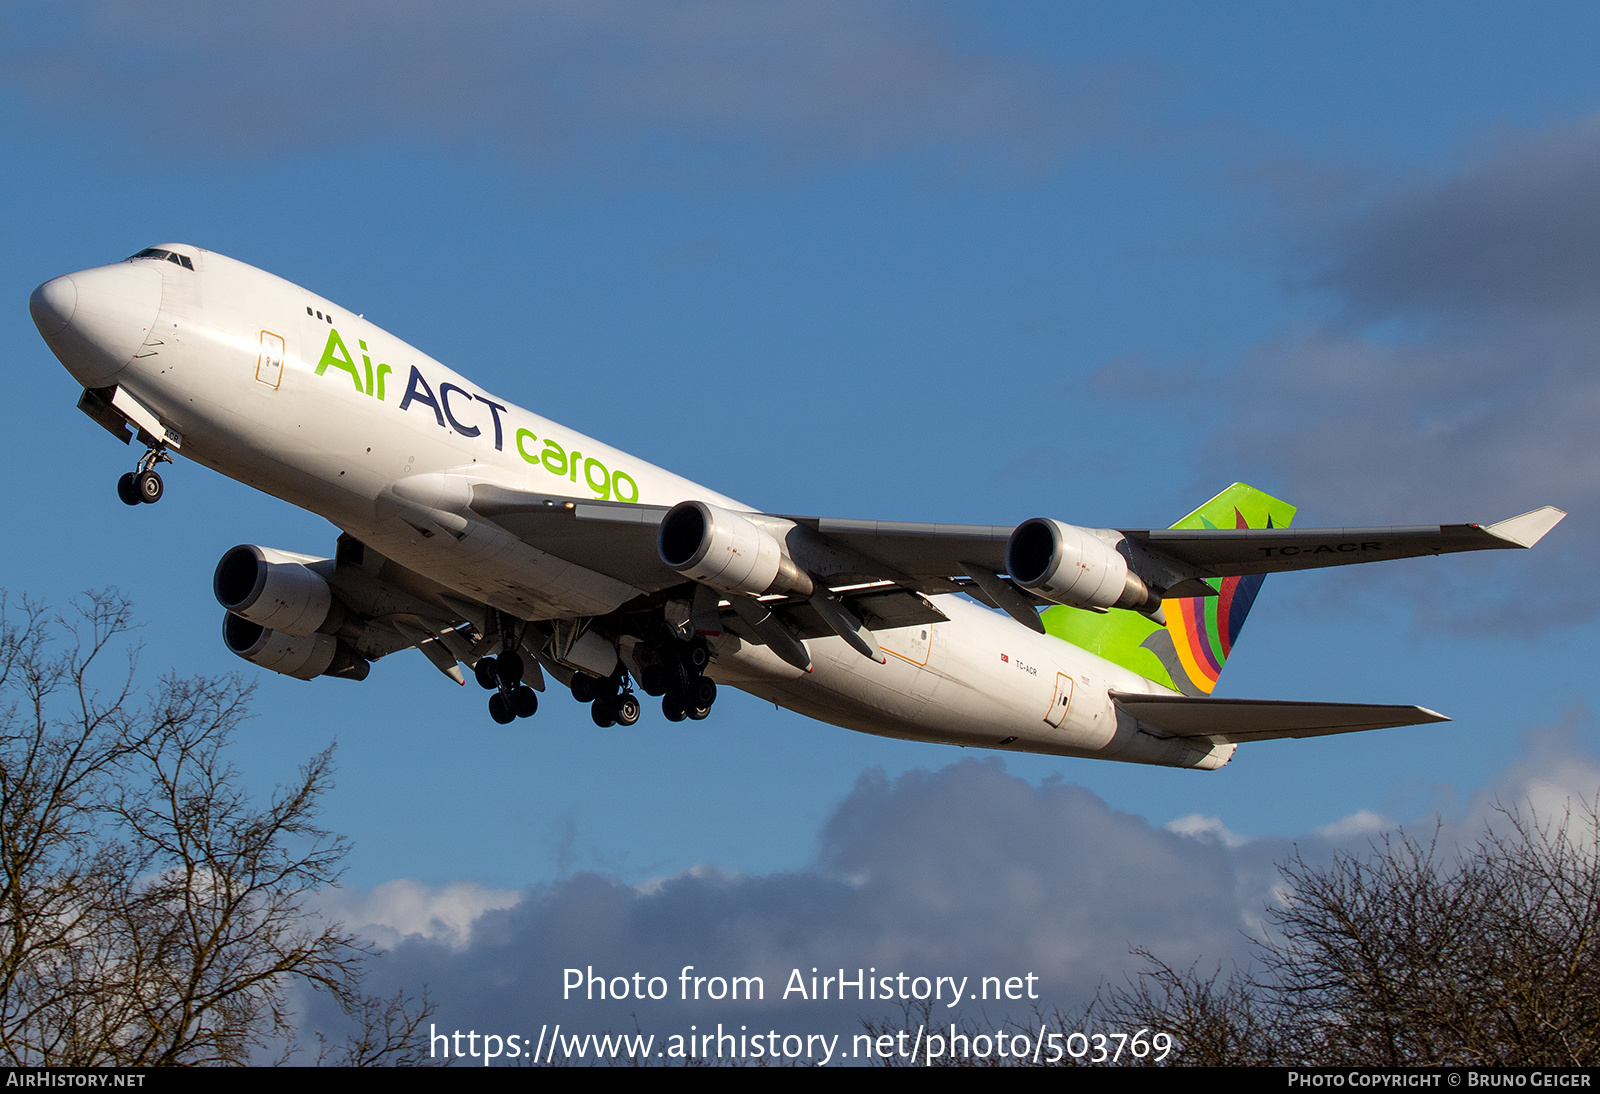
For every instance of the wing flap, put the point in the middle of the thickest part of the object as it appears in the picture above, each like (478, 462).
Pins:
(1235, 721)
(614, 538)
(881, 608)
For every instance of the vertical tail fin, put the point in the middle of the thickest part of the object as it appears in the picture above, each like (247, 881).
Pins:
(1187, 654)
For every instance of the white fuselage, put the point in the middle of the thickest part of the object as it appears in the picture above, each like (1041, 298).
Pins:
(279, 388)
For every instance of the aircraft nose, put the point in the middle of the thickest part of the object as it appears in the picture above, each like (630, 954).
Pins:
(52, 305)
(96, 320)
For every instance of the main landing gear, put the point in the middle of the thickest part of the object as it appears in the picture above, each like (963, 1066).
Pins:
(680, 681)
(676, 674)
(611, 700)
(144, 485)
(678, 677)
(512, 699)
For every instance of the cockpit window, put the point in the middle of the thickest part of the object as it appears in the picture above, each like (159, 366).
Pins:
(159, 255)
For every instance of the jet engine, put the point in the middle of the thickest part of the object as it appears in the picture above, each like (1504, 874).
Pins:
(1066, 564)
(727, 551)
(304, 657)
(276, 589)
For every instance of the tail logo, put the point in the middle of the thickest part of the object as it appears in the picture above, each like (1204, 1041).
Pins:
(1201, 630)
(1187, 654)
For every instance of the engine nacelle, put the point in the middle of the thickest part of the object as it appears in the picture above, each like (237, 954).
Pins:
(1066, 564)
(727, 551)
(305, 657)
(275, 589)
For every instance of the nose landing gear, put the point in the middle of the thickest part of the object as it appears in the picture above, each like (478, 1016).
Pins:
(144, 485)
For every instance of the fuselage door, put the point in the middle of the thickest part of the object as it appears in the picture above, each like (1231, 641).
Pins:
(269, 365)
(1062, 700)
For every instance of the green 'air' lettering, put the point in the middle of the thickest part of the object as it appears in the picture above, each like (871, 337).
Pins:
(335, 354)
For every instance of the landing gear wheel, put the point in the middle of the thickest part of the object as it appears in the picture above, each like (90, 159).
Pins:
(508, 668)
(499, 710)
(702, 693)
(698, 655)
(672, 709)
(627, 710)
(699, 713)
(524, 702)
(127, 490)
(654, 680)
(583, 688)
(604, 713)
(483, 672)
(148, 485)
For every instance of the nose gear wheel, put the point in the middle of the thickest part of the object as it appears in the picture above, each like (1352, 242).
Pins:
(143, 485)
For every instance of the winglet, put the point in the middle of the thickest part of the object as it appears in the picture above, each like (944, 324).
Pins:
(1529, 528)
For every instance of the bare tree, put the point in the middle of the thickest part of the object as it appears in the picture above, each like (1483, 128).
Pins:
(150, 913)
(1214, 1022)
(1407, 956)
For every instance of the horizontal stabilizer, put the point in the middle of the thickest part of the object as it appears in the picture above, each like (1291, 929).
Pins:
(1234, 721)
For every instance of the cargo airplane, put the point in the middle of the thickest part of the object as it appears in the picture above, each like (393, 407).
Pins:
(483, 535)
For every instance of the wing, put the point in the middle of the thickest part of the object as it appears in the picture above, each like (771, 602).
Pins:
(614, 538)
(930, 557)
(619, 540)
(1234, 721)
(1229, 552)
(935, 557)
(882, 570)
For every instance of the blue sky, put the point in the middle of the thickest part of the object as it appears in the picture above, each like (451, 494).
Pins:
(924, 262)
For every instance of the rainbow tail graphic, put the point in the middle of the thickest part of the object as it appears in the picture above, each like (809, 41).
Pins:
(1187, 654)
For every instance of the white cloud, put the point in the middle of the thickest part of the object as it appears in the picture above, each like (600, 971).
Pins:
(1362, 824)
(966, 871)
(1197, 826)
(405, 909)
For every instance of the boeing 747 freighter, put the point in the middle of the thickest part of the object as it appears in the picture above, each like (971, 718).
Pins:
(495, 541)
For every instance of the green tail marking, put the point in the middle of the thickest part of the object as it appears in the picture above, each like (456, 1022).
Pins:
(1188, 653)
